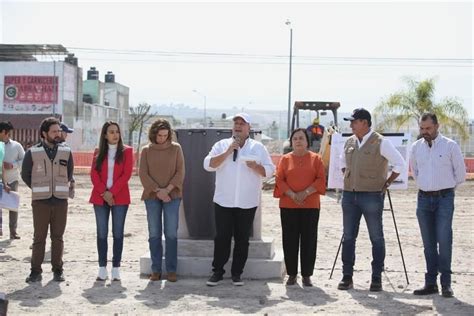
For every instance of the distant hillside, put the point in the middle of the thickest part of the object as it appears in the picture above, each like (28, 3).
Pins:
(264, 118)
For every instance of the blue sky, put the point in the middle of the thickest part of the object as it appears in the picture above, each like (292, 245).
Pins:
(236, 54)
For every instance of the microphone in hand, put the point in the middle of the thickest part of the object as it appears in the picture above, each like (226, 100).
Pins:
(234, 157)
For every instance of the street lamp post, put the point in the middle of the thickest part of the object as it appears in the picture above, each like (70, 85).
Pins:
(205, 101)
(288, 22)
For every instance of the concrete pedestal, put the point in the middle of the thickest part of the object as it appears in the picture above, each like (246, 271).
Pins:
(195, 259)
(196, 217)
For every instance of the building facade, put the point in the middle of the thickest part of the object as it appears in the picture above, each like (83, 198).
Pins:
(34, 90)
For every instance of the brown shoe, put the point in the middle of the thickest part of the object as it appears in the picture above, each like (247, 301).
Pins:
(14, 236)
(172, 277)
(155, 276)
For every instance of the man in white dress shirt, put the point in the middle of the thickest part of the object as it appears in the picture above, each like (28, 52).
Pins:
(240, 164)
(438, 167)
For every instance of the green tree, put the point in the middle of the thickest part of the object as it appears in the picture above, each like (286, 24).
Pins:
(405, 107)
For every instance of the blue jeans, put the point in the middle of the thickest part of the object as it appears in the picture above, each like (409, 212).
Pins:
(435, 218)
(102, 212)
(155, 211)
(354, 205)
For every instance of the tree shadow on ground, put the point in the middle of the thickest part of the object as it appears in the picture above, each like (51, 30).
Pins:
(104, 292)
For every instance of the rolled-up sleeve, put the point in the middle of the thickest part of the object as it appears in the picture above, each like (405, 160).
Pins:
(215, 150)
(207, 164)
(388, 150)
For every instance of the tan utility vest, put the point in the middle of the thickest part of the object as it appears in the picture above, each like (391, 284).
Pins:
(366, 168)
(49, 177)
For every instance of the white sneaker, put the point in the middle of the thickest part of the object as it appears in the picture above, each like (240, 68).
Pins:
(115, 274)
(103, 274)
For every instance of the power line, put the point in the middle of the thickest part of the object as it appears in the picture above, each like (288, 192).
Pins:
(278, 63)
(245, 55)
(158, 56)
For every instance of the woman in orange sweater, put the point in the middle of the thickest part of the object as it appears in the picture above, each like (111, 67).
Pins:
(300, 180)
(162, 175)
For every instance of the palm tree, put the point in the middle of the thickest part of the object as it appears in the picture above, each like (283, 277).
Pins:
(403, 108)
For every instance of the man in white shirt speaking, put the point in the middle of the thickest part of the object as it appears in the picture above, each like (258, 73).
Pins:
(438, 167)
(240, 164)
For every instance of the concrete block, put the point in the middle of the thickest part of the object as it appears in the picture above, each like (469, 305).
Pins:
(195, 259)
(202, 267)
(261, 249)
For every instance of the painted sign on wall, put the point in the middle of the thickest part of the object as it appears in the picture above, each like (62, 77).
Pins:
(30, 93)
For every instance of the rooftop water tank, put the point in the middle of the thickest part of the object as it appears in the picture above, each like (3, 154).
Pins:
(110, 77)
(70, 59)
(92, 74)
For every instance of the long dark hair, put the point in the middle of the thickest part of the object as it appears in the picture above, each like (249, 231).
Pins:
(104, 147)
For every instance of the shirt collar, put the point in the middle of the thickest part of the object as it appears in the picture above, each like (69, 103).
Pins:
(246, 140)
(49, 148)
(365, 137)
(434, 141)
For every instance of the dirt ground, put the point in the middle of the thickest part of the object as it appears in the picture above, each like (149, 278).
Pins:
(81, 294)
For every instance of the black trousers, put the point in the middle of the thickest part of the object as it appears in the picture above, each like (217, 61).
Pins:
(236, 222)
(299, 225)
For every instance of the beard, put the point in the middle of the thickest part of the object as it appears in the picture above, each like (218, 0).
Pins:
(427, 137)
(54, 141)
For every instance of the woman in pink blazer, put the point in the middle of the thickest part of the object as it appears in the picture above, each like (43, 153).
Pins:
(110, 172)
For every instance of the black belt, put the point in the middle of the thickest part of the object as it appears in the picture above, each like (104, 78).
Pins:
(436, 193)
